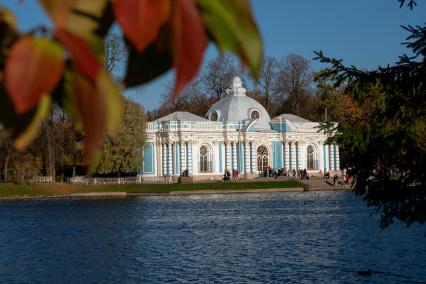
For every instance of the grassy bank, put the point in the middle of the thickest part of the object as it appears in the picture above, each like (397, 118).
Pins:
(63, 189)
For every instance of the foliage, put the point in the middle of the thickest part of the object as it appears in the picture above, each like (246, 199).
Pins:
(273, 88)
(59, 146)
(217, 76)
(386, 135)
(66, 65)
(6, 149)
(295, 83)
(204, 90)
(121, 153)
(24, 166)
(268, 81)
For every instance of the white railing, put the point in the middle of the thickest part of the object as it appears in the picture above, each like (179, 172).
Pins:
(102, 180)
(204, 125)
(115, 180)
(157, 180)
(41, 179)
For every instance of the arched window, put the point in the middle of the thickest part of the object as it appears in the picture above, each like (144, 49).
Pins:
(254, 114)
(311, 158)
(213, 116)
(262, 158)
(205, 159)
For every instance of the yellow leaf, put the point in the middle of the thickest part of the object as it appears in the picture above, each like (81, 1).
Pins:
(59, 10)
(26, 137)
(113, 101)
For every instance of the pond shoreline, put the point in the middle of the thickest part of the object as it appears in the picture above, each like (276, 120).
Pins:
(119, 194)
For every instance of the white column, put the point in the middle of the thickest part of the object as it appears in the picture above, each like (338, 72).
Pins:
(300, 155)
(296, 152)
(326, 158)
(158, 159)
(176, 155)
(253, 158)
(213, 154)
(234, 155)
(246, 157)
(320, 156)
(331, 160)
(293, 155)
(227, 155)
(163, 160)
(286, 155)
(182, 157)
(223, 157)
(169, 159)
(337, 156)
(215, 157)
(190, 162)
(282, 155)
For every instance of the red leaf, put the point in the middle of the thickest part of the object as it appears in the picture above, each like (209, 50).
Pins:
(33, 67)
(84, 59)
(91, 106)
(189, 41)
(141, 20)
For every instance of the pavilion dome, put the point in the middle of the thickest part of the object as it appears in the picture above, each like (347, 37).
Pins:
(237, 107)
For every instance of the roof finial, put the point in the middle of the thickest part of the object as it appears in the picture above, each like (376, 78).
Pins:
(236, 82)
(236, 88)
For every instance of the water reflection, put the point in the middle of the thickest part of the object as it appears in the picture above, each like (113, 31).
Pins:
(315, 236)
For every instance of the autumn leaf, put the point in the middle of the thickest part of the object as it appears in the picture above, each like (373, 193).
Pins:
(96, 107)
(189, 41)
(232, 27)
(91, 108)
(154, 61)
(59, 10)
(7, 17)
(33, 68)
(33, 129)
(141, 20)
(91, 18)
(84, 59)
(81, 17)
(113, 101)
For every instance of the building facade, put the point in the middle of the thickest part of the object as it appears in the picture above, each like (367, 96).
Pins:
(236, 133)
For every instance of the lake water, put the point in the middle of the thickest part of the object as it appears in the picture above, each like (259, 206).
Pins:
(282, 237)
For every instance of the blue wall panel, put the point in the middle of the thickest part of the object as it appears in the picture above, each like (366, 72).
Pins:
(148, 159)
(281, 127)
(277, 155)
(240, 157)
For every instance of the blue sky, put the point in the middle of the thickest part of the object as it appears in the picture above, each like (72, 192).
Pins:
(365, 33)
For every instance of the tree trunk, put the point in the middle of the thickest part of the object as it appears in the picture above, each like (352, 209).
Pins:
(6, 168)
(51, 158)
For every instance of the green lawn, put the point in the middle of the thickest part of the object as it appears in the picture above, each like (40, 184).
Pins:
(63, 189)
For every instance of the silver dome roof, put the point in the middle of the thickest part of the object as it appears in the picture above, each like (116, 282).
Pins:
(236, 107)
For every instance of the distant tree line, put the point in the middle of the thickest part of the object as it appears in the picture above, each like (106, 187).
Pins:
(286, 85)
(58, 151)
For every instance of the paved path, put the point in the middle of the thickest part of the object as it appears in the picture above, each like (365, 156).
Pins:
(315, 183)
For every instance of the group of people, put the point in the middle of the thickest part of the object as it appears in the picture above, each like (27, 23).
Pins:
(227, 175)
(269, 172)
(284, 172)
(328, 175)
